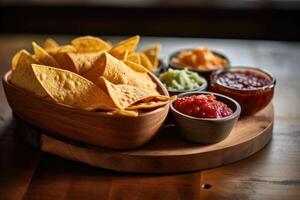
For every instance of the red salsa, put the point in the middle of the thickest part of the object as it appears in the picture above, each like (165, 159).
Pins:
(243, 80)
(202, 106)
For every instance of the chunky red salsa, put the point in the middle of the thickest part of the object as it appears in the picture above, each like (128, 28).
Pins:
(243, 80)
(202, 106)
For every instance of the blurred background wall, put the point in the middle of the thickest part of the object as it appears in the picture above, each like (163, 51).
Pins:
(249, 19)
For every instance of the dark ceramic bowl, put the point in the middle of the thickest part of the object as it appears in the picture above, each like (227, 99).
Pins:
(251, 100)
(206, 130)
(204, 73)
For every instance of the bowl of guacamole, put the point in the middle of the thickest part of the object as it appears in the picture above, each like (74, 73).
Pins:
(178, 81)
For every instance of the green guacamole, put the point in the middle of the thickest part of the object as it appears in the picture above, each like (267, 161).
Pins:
(174, 79)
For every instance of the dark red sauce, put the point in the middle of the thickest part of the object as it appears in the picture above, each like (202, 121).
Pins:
(202, 106)
(243, 80)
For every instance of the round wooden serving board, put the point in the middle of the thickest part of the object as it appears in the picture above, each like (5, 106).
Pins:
(166, 153)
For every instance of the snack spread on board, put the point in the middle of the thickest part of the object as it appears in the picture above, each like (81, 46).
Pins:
(94, 75)
(174, 79)
(90, 74)
(202, 106)
(199, 58)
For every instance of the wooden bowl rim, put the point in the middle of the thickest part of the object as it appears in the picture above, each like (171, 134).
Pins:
(6, 81)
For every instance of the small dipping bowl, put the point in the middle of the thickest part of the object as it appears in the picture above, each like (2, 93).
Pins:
(206, 130)
(251, 100)
(205, 73)
(202, 87)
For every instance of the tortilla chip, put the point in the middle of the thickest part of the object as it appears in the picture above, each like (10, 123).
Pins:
(151, 104)
(62, 49)
(148, 105)
(90, 44)
(129, 44)
(23, 75)
(118, 72)
(78, 62)
(16, 58)
(123, 56)
(129, 113)
(134, 57)
(152, 54)
(50, 44)
(136, 67)
(145, 61)
(71, 89)
(43, 57)
(122, 95)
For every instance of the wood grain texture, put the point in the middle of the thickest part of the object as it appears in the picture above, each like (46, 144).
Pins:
(95, 128)
(272, 173)
(86, 182)
(248, 136)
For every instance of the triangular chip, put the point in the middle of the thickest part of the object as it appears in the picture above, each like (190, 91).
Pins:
(90, 44)
(136, 67)
(43, 57)
(145, 61)
(129, 45)
(147, 105)
(123, 56)
(71, 89)
(128, 113)
(23, 76)
(122, 95)
(61, 57)
(118, 72)
(62, 49)
(134, 57)
(153, 53)
(50, 44)
(16, 58)
(154, 103)
(77, 62)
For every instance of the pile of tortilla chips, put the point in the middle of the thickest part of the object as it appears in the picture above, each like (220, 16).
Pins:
(90, 74)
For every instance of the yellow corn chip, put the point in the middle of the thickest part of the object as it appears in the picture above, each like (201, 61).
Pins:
(145, 61)
(118, 72)
(23, 75)
(77, 62)
(152, 54)
(123, 56)
(129, 113)
(90, 44)
(136, 67)
(122, 95)
(50, 44)
(129, 44)
(154, 103)
(134, 57)
(16, 58)
(62, 49)
(71, 89)
(43, 57)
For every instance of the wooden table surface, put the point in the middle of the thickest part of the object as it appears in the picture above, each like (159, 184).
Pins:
(272, 173)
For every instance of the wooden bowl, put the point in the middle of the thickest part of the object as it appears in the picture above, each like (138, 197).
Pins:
(118, 132)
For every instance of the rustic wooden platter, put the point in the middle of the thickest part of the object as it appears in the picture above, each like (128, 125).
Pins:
(166, 153)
